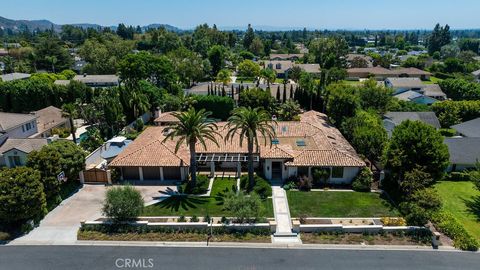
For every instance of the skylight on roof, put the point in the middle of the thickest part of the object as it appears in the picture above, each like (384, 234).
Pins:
(275, 141)
(301, 143)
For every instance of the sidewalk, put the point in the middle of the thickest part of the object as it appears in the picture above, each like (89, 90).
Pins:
(283, 234)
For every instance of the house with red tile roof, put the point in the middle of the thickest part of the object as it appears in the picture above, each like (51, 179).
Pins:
(299, 147)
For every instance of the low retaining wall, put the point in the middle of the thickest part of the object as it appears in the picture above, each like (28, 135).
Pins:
(351, 229)
(272, 226)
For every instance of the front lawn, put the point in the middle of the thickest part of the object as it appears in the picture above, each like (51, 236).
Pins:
(339, 204)
(188, 205)
(462, 200)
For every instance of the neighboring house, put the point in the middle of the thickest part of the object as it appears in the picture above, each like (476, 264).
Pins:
(393, 119)
(14, 76)
(78, 65)
(476, 74)
(404, 84)
(378, 73)
(18, 125)
(415, 97)
(464, 153)
(95, 81)
(298, 147)
(279, 66)
(352, 56)
(47, 119)
(3, 52)
(412, 72)
(434, 91)
(308, 68)
(13, 152)
(282, 56)
(165, 119)
(468, 129)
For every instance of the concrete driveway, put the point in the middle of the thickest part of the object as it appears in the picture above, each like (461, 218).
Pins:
(61, 224)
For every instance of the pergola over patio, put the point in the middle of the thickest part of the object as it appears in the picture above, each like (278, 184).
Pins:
(213, 158)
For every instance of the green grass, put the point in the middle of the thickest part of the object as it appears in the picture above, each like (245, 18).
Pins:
(200, 206)
(462, 200)
(339, 204)
(433, 80)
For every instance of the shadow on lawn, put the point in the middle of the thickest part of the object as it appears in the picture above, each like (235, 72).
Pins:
(185, 202)
(473, 206)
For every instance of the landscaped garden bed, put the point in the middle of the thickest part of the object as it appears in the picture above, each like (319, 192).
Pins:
(191, 205)
(127, 232)
(339, 204)
(420, 238)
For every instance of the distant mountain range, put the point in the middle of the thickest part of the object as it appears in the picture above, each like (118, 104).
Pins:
(19, 25)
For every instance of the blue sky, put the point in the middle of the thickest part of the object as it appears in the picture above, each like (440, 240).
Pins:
(321, 14)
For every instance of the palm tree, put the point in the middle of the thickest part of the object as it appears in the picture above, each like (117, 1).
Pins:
(224, 76)
(248, 123)
(70, 111)
(192, 127)
(138, 101)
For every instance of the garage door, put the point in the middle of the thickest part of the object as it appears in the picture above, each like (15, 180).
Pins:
(171, 173)
(151, 173)
(131, 173)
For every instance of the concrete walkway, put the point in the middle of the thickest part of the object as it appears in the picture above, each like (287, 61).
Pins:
(284, 233)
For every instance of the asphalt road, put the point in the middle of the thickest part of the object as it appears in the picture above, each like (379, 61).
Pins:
(116, 257)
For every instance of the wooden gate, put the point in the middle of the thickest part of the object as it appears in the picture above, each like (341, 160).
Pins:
(95, 175)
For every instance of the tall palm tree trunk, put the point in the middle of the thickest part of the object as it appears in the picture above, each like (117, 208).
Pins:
(72, 129)
(193, 163)
(251, 181)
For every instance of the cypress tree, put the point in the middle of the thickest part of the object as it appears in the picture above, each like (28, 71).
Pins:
(291, 91)
(224, 93)
(278, 93)
(233, 91)
(284, 93)
(208, 89)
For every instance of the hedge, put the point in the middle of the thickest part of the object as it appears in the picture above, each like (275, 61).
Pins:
(446, 223)
(262, 187)
(459, 176)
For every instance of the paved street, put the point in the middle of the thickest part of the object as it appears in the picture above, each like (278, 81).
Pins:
(60, 225)
(115, 257)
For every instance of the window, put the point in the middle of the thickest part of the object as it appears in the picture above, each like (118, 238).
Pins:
(28, 126)
(337, 172)
(301, 143)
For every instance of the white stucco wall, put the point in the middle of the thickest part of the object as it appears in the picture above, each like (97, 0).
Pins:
(349, 174)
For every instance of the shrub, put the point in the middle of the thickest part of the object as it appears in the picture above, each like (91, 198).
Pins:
(61, 132)
(21, 195)
(447, 132)
(391, 221)
(320, 176)
(5, 236)
(207, 218)
(194, 219)
(363, 181)
(244, 208)
(123, 203)
(139, 125)
(201, 186)
(290, 185)
(446, 223)
(464, 176)
(304, 183)
(414, 214)
(182, 219)
(218, 105)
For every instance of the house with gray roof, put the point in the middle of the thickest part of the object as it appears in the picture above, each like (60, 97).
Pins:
(404, 84)
(468, 129)
(434, 91)
(14, 152)
(18, 125)
(280, 66)
(14, 76)
(393, 119)
(476, 74)
(464, 153)
(95, 81)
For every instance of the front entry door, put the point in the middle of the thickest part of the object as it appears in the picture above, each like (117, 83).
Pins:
(276, 170)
